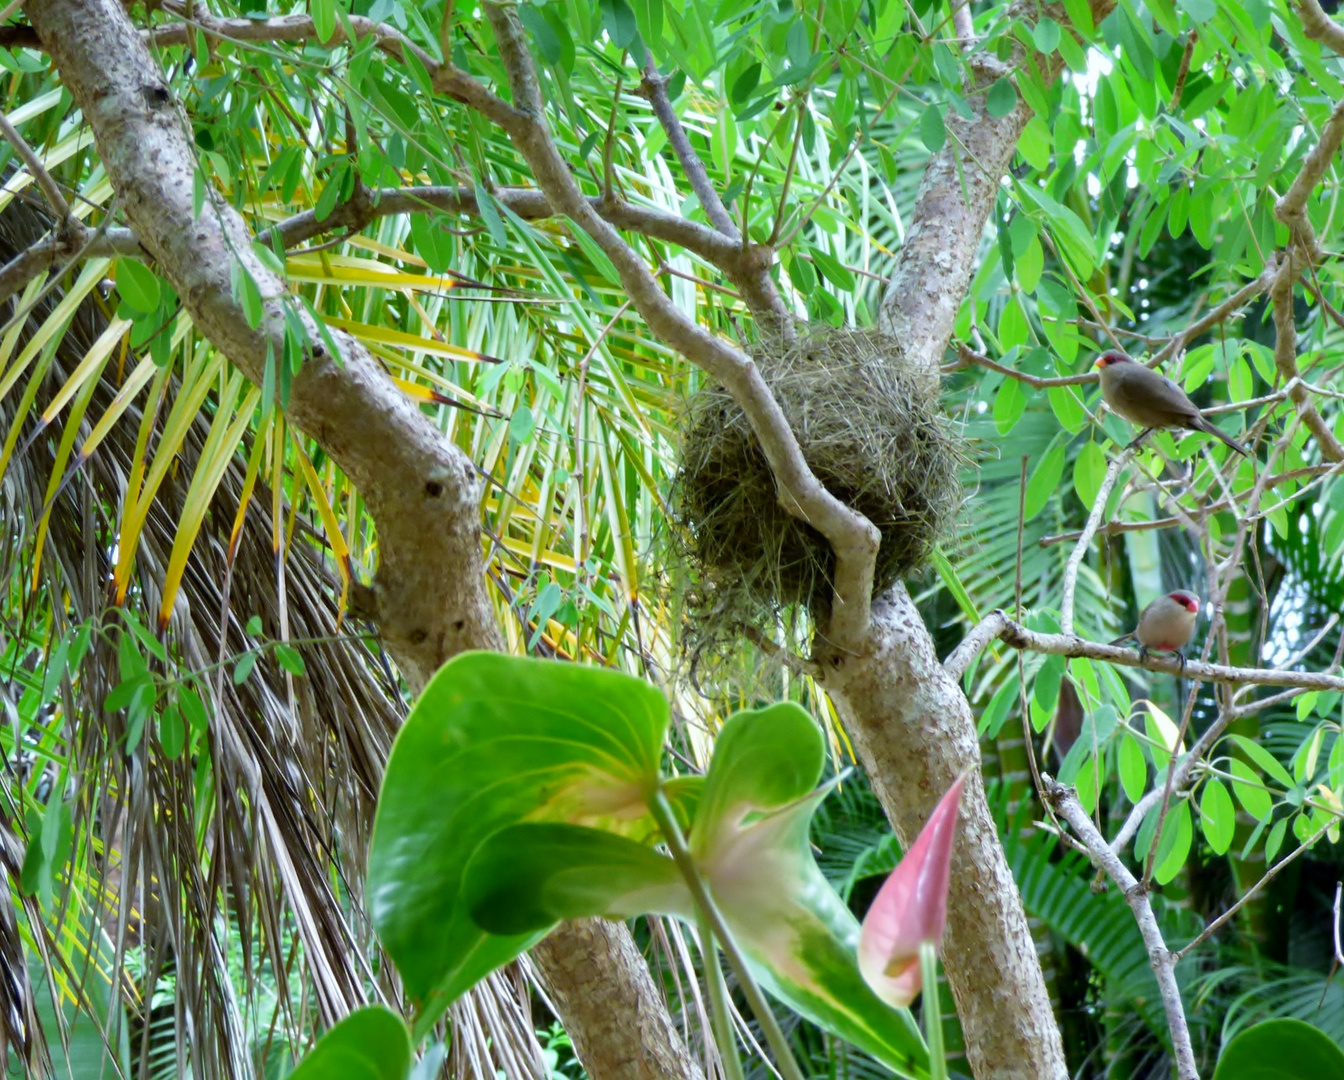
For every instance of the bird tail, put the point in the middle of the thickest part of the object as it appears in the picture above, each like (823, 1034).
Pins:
(1213, 429)
(1124, 637)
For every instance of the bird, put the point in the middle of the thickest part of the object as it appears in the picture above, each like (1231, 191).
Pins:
(1150, 400)
(1165, 625)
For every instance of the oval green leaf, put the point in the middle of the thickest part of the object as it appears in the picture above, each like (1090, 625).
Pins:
(138, 285)
(1217, 815)
(1282, 1049)
(1001, 99)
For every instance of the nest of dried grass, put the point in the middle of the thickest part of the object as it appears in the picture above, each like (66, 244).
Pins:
(871, 429)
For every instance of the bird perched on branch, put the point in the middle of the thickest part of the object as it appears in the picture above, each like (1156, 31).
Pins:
(1150, 400)
(1166, 625)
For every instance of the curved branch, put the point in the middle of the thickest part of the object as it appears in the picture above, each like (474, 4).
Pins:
(45, 254)
(853, 538)
(529, 204)
(1163, 960)
(1019, 637)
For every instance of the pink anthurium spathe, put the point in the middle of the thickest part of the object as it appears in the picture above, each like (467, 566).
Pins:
(911, 908)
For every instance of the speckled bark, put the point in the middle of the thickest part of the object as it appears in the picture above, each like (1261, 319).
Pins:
(628, 1039)
(910, 721)
(956, 197)
(429, 597)
(914, 733)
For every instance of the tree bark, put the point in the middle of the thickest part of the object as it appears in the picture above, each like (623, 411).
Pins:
(421, 489)
(910, 721)
(624, 1038)
(914, 733)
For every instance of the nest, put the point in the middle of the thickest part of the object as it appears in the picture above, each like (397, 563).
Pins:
(872, 431)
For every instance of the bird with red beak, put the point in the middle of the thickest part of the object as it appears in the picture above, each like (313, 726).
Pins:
(1166, 625)
(1148, 399)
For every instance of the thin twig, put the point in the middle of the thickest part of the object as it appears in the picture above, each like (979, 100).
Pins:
(1162, 960)
(66, 222)
(1019, 637)
(1075, 561)
(1249, 894)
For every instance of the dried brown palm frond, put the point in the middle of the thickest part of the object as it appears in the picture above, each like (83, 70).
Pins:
(279, 844)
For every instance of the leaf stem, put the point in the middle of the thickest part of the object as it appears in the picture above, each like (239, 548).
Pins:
(718, 1002)
(709, 912)
(933, 1012)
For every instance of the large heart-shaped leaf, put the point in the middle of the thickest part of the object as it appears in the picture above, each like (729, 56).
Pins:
(369, 1044)
(1282, 1049)
(751, 841)
(528, 877)
(492, 741)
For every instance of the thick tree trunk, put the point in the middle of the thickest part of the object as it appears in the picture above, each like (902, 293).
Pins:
(623, 1038)
(430, 598)
(913, 730)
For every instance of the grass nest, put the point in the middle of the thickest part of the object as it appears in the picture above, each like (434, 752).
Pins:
(871, 429)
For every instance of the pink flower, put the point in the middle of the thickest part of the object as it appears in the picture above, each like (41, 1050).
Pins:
(911, 908)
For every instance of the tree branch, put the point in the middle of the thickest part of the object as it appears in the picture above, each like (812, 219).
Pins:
(67, 224)
(853, 538)
(286, 28)
(1075, 560)
(1066, 805)
(654, 88)
(999, 626)
(54, 249)
(752, 272)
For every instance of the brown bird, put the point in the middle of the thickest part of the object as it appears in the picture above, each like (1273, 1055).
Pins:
(1149, 399)
(1166, 625)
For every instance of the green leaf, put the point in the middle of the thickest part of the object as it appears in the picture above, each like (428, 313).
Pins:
(521, 425)
(324, 19)
(125, 691)
(243, 668)
(193, 708)
(528, 877)
(1217, 815)
(744, 84)
(1089, 470)
(932, 129)
(138, 285)
(618, 19)
(369, 1044)
(288, 657)
(1263, 758)
(763, 758)
(1044, 479)
(1008, 405)
(1045, 35)
(254, 626)
(833, 270)
(1177, 835)
(1132, 766)
(547, 742)
(1250, 790)
(1028, 266)
(1200, 11)
(1282, 1049)
(172, 732)
(1001, 99)
(247, 294)
(489, 212)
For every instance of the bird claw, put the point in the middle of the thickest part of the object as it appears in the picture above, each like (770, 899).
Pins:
(1139, 438)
